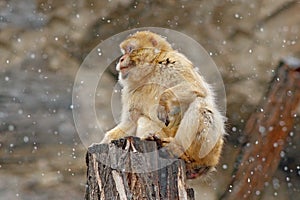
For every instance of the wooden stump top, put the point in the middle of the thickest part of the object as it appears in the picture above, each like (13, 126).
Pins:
(131, 169)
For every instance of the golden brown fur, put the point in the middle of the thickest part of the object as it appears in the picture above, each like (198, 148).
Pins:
(164, 97)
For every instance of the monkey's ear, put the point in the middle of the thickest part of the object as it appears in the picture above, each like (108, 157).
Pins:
(153, 41)
(129, 48)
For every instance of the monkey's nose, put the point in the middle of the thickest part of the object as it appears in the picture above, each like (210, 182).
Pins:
(123, 58)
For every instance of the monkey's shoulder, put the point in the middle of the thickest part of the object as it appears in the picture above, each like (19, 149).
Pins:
(175, 67)
(174, 59)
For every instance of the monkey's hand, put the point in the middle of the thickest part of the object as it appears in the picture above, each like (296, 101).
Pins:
(169, 110)
(113, 134)
(162, 114)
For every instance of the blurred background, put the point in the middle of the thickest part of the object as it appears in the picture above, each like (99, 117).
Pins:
(43, 43)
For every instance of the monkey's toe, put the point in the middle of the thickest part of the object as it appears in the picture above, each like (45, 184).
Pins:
(156, 138)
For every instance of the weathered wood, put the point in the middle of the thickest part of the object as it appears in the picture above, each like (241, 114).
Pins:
(265, 134)
(132, 169)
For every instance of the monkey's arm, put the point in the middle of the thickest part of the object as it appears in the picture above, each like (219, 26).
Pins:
(126, 127)
(183, 93)
(174, 101)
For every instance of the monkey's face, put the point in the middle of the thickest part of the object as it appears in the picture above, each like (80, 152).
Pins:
(124, 65)
(139, 53)
(136, 65)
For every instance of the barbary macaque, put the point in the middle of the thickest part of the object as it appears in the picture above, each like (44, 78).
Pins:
(164, 97)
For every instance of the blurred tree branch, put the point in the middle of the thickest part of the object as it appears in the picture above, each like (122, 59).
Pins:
(265, 134)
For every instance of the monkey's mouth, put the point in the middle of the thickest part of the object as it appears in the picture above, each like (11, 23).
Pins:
(124, 71)
(123, 68)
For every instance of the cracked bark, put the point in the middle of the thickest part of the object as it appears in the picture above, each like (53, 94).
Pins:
(132, 169)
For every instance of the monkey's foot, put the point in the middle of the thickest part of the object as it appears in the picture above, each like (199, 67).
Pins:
(168, 147)
(126, 143)
(156, 138)
(175, 149)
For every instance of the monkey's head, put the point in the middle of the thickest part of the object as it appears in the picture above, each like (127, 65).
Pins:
(139, 53)
(144, 39)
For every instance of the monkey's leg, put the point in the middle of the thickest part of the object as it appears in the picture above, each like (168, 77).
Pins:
(199, 128)
(205, 165)
(201, 124)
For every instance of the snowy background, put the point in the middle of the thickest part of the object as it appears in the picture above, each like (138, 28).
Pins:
(43, 43)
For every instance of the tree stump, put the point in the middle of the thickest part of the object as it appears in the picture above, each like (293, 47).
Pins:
(131, 168)
(265, 134)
